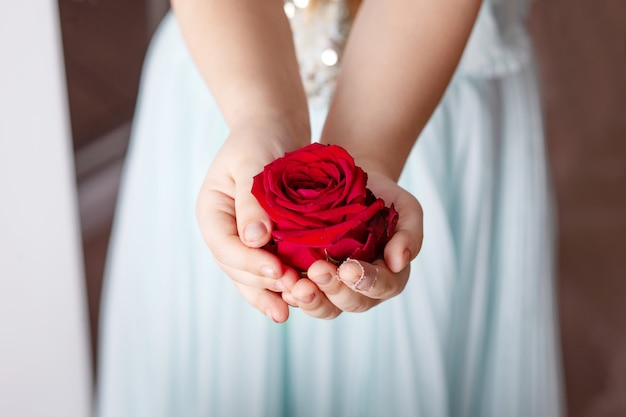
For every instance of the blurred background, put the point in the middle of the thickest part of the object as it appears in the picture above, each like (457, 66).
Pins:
(581, 50)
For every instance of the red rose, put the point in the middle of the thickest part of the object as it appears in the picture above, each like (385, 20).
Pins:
(321, 208)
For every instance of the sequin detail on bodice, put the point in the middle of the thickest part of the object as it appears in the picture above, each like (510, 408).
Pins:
(319, 36)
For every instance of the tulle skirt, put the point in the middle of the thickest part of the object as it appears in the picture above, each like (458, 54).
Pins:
(473, 334)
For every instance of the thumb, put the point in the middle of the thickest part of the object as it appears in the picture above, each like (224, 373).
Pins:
(253, 223)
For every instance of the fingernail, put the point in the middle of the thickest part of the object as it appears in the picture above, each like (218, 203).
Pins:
(268, 272)
(367, 274)
(323, 279)
(254, 231)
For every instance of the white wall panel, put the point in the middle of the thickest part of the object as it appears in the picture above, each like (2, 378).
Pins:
(44, 359)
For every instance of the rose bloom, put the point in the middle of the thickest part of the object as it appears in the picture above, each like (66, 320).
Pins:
(321, 208)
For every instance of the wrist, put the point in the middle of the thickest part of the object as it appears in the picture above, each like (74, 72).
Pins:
(271, 134)
(278, 132)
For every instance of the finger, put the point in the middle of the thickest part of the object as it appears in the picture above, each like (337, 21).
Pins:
(358, 276)
(373, 280)
(290, 299)
(406, 240)
(283, 284)
(215, 213)
(253, 224)
(313, 301)
(267, 302)
(324, 275)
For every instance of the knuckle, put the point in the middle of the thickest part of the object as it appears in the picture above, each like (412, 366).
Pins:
(362, 305)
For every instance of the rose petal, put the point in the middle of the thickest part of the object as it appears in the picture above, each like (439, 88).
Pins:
(299, 257)
(328, 235)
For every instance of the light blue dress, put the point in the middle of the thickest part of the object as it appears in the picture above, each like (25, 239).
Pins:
(474, 334)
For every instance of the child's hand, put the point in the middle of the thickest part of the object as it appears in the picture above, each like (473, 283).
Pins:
(235, 227)
(358, 286)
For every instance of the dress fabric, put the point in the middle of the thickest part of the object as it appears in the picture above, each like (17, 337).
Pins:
(474, 333)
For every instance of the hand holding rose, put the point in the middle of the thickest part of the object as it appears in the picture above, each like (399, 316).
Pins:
(323, 215)
(325, 296)
(233, 224)
(227, 211)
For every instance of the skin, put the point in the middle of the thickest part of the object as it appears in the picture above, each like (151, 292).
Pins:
(398, 61)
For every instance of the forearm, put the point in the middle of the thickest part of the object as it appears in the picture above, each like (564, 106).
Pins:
(244, 52)
(398, 61)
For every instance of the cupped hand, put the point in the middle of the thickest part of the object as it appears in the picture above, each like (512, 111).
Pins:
(359, 286)
(235, 227)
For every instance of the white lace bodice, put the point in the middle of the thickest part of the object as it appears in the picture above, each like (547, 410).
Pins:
(319, 37)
